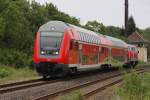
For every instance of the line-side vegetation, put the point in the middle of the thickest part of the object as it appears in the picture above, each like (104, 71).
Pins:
(9, 74)
(134, 87)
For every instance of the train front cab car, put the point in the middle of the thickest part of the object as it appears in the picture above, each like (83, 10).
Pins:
(51, 49)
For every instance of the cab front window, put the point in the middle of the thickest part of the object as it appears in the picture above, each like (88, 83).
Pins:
(50, 43)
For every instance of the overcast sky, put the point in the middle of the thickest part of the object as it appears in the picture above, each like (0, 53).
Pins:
(109, 12)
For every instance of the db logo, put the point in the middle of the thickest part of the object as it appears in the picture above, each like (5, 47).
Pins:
(48, 59)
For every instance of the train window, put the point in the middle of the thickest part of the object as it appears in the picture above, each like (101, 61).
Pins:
(99, 40)
(87, 38)
(92, 39)
(50, 40)
(76, 44)
(133, 49)
(71, 44)
(95, 39)
(81, 37)
(103, 50)
(84, 37)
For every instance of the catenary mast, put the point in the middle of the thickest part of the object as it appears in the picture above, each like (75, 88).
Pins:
(126, 16)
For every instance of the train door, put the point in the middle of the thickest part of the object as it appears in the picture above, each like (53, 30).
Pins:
(80, 54)
(109, 56)
(104, 55)
(94, 54)
(85, 54)
(73, 52)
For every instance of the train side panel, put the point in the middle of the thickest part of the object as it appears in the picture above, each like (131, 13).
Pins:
(118, 56)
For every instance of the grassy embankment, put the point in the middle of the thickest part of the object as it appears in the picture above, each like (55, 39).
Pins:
(10, 74)
(134, 87)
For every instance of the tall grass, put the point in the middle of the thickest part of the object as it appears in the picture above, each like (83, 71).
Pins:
(135, 87)
(9, 74)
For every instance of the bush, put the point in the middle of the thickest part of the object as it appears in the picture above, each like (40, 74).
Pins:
(4, 72)
(14, 58)
(135, 87)
(10, 74)
(141, 62)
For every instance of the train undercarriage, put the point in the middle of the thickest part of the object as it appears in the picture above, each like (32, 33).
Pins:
(53, 70)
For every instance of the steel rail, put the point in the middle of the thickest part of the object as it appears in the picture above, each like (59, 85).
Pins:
(76, 87)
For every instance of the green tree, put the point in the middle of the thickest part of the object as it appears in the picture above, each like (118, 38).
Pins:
(19, 22)
(16, 33)
(115, 32)
(131, 26)
(95, 26)
(37, 16)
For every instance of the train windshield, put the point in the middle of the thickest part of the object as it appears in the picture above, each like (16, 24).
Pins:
(50, 43)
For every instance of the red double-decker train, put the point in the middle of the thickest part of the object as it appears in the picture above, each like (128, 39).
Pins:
(62, 48)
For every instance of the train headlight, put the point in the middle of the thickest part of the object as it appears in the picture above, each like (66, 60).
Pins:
(56, 52)
(43, 52)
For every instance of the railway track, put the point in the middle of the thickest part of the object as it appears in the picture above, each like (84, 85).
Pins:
(102, 84)
(107, 85)
(36, 82)
(10, 88)
(24, 84)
